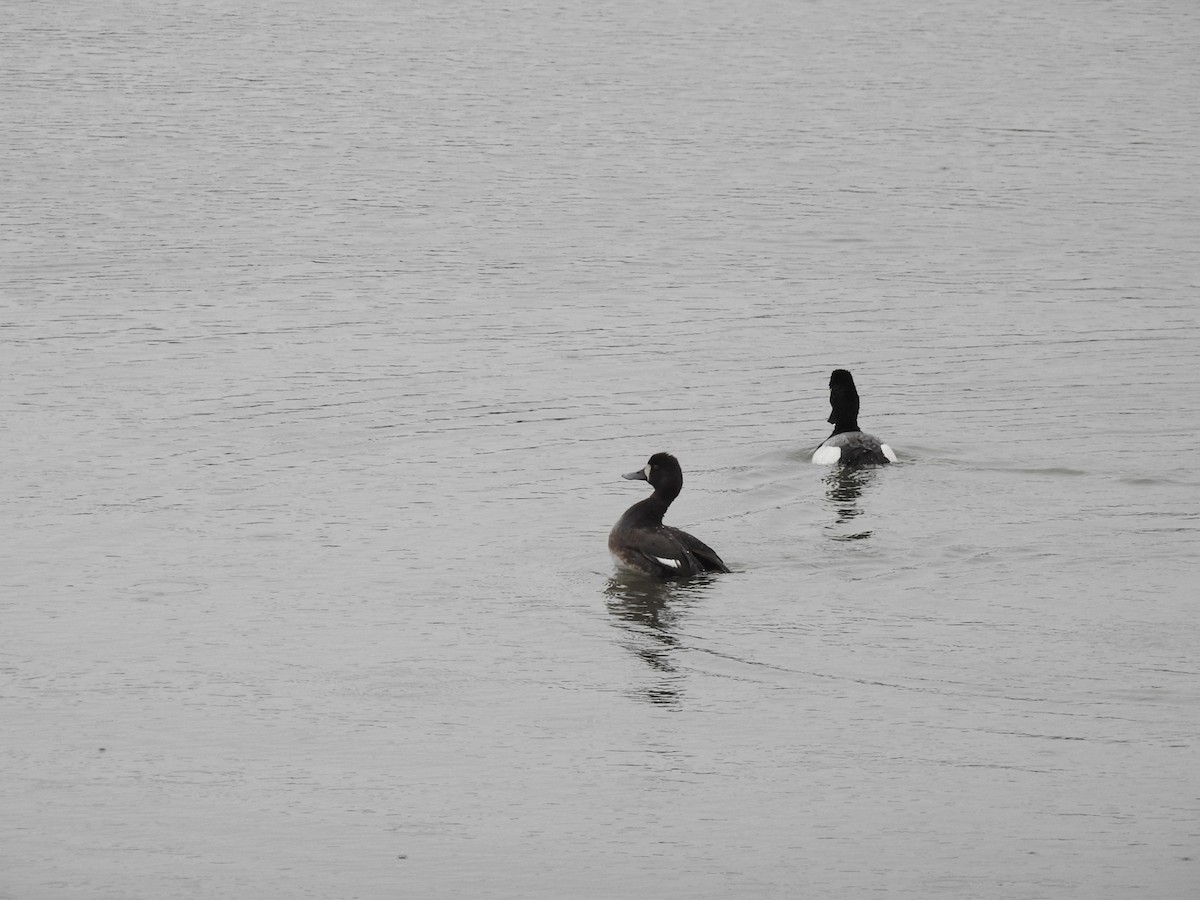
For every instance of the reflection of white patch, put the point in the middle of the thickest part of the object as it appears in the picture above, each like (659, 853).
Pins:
(673, 563)
(888, 452)
(827, 455)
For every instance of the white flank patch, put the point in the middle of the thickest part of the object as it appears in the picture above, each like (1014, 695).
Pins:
(827, 455)
(888, 452)
(673, 563)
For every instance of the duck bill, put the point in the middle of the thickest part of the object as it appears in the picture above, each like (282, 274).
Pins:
(639, 475)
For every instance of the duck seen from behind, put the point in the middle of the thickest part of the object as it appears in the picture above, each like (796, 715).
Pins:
(640, 541)
(848, 445)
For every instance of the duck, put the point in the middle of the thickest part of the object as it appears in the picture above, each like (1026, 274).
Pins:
(641, 542)
(848, 445)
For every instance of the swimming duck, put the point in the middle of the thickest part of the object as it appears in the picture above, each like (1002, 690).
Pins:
(640, 541)
(848, 445)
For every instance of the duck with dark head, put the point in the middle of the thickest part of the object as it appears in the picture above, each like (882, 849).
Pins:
(849, 445)
(641, 542)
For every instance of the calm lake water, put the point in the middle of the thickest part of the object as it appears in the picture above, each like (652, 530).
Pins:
(328, 329)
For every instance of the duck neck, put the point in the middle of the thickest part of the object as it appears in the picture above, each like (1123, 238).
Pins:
(654, 507)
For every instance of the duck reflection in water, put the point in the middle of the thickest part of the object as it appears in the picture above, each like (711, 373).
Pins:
(843, 488)
(648, 610)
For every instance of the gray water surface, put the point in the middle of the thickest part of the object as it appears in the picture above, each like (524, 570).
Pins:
(327, 332)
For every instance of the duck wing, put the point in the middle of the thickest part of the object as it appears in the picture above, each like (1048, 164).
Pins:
(704, 557)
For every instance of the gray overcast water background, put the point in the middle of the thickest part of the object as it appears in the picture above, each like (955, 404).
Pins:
(328, 330)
